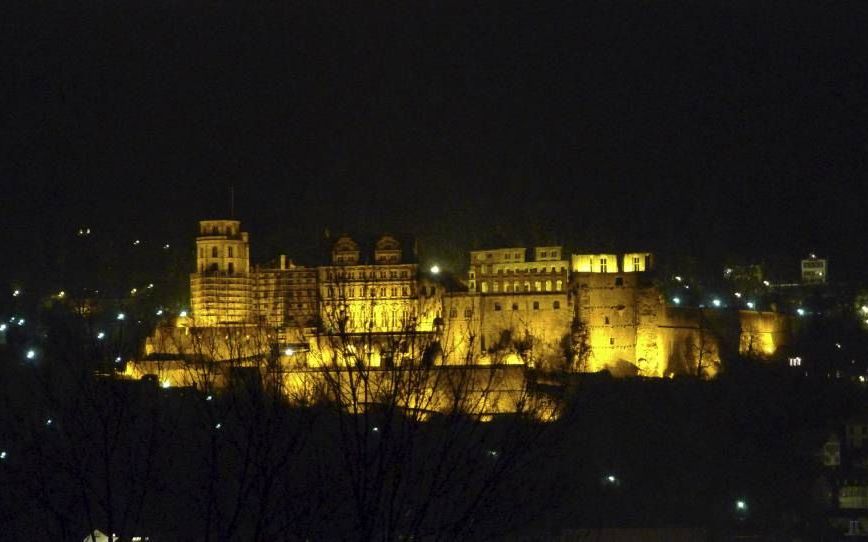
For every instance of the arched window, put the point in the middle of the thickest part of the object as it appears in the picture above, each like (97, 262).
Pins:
(559, 285)
(483, 286)
(537, 285)
(215, 253)
(526, 286)
(548, 286)
(515, 287)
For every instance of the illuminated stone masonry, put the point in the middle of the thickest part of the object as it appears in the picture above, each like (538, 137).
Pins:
(588, 312)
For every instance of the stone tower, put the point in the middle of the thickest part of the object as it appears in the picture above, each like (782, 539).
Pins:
(221, 289)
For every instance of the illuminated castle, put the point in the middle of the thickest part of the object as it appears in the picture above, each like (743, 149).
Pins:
(588, 312)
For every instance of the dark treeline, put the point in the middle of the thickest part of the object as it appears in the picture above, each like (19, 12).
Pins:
(84, 453)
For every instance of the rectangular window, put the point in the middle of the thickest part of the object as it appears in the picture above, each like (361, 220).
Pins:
(497, 306)
(611, 341)
(536, 305)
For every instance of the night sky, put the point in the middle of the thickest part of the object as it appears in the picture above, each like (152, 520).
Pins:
(721, 130)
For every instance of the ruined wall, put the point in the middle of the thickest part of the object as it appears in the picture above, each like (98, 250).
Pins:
(620, 313)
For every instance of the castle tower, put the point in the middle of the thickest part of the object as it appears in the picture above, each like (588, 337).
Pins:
(221, 289)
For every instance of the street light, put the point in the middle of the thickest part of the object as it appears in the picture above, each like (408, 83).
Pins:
(435, 269)
(121, 316)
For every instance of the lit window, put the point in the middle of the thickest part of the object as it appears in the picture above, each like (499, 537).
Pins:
(548, 286)
(603, 267)
(495, 286)
(559, 285)
(483, 286)
(537, 285)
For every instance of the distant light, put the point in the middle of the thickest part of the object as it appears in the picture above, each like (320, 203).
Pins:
(676, 300)
(715, 302)
(210, 397)
(49, 421)
(861, 378)
(31, 354)
(218, 426)
(800, 311)
(160, 312)
(687, 286)
(838, 345)
(289, 351)
(3, 454)
(865, 309)
(740, 505)
(100, 335)
(766, 283)
(813, 256)
(738, 295)
(2, 327)
(492, 453)
(61, 294)
(165, 383)
(16, 293)
(678, 278)
(375, 429)
(166, 246)
(750, 304)
(133, 291)
(151, 285)
(21, 321)
(435, 269)
(611, 479)
(183, 314)
(136, 242)
(121, 316)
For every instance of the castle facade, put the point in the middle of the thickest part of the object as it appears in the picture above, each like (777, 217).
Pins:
(532, 307)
